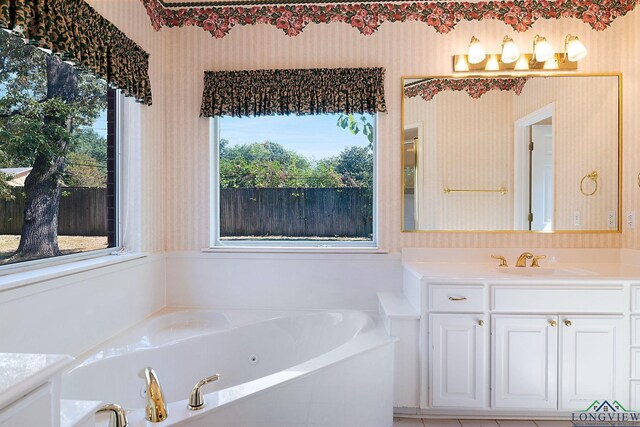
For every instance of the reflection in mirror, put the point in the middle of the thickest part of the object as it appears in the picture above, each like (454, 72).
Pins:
(512, 153)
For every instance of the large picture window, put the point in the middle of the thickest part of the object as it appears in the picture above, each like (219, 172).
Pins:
(57, 156)
(295, 180)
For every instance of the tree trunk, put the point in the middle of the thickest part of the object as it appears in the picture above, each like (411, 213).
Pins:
(39, 237)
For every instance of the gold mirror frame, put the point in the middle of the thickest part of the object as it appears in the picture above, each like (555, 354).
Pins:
(470, 75)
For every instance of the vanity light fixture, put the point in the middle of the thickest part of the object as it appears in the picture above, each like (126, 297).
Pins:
(476, 53)
(543, 56)
(510, 52)
(542, 49)
(574, 49)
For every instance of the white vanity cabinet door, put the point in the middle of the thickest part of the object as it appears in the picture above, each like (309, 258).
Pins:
(459, 360)
(525, 361)
(593, 362)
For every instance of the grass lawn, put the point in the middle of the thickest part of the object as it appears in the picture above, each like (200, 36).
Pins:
(67, 244)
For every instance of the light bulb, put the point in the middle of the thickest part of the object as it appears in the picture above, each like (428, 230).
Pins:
(510, 52)
(476, 52)
(492, 63)
(574, 48)
(550, 64)
(542, 49)
(461, 63)
(522, 64)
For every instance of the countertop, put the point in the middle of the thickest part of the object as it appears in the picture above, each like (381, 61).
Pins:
(22, 372)
(548, 271)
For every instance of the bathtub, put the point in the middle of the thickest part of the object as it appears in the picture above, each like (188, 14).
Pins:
(325, 368)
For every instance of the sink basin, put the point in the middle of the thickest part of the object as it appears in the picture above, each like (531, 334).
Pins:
(545, 271)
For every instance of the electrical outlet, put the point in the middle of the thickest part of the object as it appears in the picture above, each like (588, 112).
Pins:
(576, 218)
(611, 219)
(631, 219)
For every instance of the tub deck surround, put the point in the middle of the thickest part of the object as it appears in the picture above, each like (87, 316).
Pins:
(295, 361)
(30, 383)
(486, 333)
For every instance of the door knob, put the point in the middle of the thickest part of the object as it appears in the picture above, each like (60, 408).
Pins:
(553, 323)
(567, 322)
(481, 322)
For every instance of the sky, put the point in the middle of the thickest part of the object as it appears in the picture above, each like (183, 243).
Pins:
(313, 136)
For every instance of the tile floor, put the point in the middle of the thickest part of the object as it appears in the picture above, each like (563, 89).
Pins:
(414, 422)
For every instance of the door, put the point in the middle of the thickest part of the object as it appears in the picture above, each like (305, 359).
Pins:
(525, 361)
(593, 361)
(459, 356)
(542, 177)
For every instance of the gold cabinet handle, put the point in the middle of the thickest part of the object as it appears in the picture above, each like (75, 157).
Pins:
(553, 323)
(457, 298)
(567, 322)
(481, 322)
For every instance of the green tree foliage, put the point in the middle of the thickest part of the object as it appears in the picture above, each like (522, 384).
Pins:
(348, 121)
(83, 170)
(355, 165)
(89, 142)
(270, 165)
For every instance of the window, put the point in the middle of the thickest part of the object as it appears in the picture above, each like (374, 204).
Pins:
(57, 156)
(294, 180)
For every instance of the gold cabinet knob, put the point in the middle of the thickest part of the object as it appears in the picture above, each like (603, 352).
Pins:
(553, 323)
(567, 322)
(481, 322)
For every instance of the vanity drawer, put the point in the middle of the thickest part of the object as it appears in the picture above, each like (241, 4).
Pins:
(461, 298)
(559, 298)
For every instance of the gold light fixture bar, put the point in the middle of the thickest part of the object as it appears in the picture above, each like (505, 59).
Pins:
(526, 62)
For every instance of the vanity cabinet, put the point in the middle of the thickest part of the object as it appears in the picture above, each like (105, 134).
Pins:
(459, 360)
(593, 362)
(522, 347)
(525, 361)
(557, 362)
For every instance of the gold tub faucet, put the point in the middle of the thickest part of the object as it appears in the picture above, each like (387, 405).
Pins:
(156, 408)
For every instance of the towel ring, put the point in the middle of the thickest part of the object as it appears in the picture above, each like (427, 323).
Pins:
(593, 176)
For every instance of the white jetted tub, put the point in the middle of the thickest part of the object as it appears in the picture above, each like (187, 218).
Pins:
(332, 368)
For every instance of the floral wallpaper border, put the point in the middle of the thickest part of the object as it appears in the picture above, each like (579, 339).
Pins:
(366, 17)
(474, 87)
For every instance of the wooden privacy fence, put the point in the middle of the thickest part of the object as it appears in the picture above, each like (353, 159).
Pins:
(296, 212)
(82, 212)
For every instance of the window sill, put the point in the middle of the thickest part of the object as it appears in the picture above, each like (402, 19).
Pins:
(36, 275)
(294, 250)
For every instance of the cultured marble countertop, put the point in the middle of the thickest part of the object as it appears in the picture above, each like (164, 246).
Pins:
(22, 372)
(548, 271)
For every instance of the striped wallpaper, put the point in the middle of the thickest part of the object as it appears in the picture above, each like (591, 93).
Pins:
(176, 173)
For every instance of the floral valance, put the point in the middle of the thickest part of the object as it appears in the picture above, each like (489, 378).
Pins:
(75, 30)
(292, 16)
(428, 88)
(298, 91)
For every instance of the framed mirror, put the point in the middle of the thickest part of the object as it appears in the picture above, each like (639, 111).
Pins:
(517, 153)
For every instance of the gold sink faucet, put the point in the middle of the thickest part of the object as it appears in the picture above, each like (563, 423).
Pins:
(522, 259)
(156, 408)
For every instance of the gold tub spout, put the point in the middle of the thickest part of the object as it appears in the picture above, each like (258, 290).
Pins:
(156, 408)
